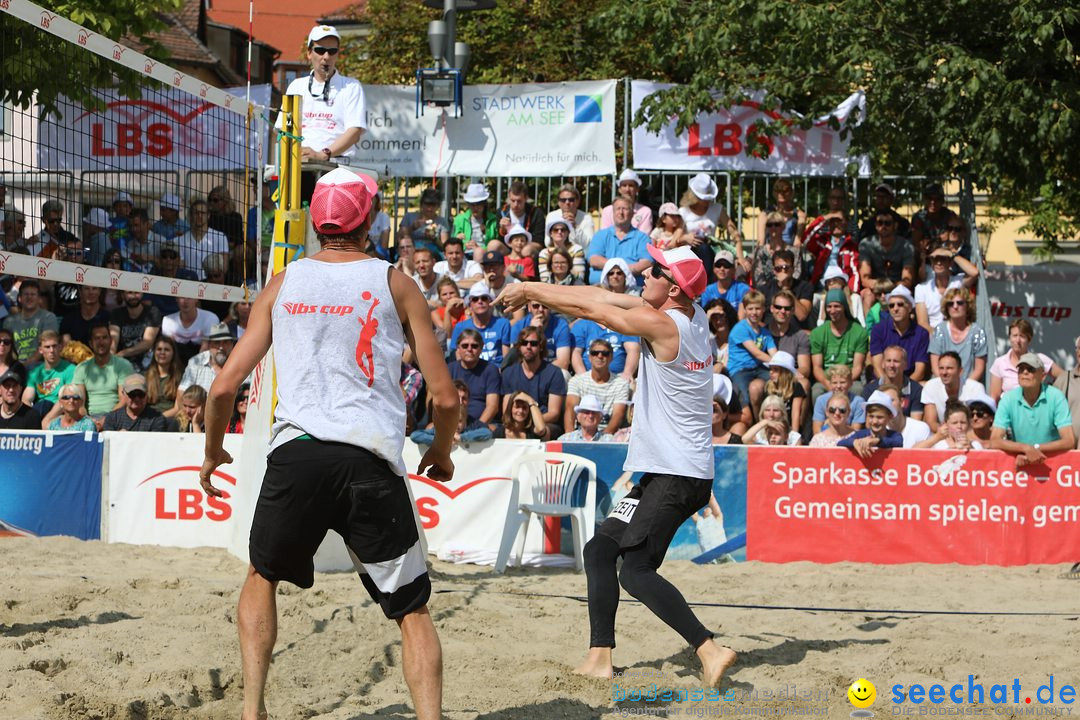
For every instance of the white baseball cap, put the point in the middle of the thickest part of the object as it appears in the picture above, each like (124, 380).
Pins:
(629, 175)
(97, 217)
(589, 403)
(834, 271)
(883, 399)
(322, 31)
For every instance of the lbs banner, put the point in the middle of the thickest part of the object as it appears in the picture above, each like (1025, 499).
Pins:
(904, 506)
(717, 141)
(549, 129)
(50, 484)
(154, 493)
(164, 130)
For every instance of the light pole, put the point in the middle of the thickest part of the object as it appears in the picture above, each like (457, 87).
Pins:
(449, 54)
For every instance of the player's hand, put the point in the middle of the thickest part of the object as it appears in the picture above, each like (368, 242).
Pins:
(210, 464)
(436, 465)
(513, 296)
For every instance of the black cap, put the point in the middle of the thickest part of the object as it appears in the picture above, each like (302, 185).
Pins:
(16, 372)
(492, 257)
(933, 190)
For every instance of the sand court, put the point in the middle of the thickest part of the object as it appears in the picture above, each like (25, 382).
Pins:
(92, 630)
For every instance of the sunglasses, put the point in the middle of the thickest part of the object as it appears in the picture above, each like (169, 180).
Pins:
(531, 343)
(135, 394)
(981, 412)
(724, 264)
(469, 346)
(5, 341)
(567, 199)
(71, 397)
(560, 229)
(242, 398)
(600, 353)
(774, 224)
(954, 228)
(657, 272)
(836, 409)
(320, 50)
(481, 298)
(899, 304)
(957, 303)
(781, 268)
(785, 308)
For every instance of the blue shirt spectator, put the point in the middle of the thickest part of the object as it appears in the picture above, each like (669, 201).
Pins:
(585, 331)
(556, 333)
(482, 379)
(496, 335)
(547, 381)
(606, 243)
(738, 357)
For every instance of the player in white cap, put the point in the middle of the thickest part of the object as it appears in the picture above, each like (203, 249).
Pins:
(339, 426)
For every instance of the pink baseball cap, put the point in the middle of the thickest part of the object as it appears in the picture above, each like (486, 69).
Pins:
(685, 267)
(341, 201)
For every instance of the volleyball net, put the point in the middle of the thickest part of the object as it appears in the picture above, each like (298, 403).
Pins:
(122, 172)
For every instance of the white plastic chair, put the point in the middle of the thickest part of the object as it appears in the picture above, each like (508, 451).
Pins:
(552, 479)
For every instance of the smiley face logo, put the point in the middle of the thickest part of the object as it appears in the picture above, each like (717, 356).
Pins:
(862, 693)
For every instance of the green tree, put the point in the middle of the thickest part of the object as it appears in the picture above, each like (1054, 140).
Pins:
(35, 61)
(519, 41)
(986, 89)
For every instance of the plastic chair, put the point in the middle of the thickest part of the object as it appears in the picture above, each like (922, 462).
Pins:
(553, 479)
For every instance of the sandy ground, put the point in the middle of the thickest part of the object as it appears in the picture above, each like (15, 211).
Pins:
(89, 630)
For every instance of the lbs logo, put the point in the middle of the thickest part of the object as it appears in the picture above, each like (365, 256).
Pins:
(189, 502)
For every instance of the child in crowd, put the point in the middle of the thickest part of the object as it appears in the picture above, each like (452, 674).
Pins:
(952, 434)
(882, 288)
(774, 428)
(671, 232)
(518, 264)
(750, 346)
(880, 409)
(782, 384)
(192, 405)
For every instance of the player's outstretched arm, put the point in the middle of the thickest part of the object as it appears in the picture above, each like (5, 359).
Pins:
(416, 321)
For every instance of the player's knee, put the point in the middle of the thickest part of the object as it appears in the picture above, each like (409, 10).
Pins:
(599, 551)
(630, 577)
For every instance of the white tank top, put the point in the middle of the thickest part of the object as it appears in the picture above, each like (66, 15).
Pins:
(337, 352)
(672, 431)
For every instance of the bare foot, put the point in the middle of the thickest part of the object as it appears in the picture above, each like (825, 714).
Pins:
(597, 664)
(715, 661)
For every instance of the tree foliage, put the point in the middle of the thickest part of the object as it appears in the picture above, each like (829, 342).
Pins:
(35, 61)
(987, 89)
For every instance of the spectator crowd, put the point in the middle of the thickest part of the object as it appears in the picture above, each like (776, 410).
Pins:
(832, 328)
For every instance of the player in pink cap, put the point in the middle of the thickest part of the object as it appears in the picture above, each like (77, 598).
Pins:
(342, 319)
(671, 444)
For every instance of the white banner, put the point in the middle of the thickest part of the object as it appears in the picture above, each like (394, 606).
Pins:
(154, 493)
(546, 129)
(164, 130)
(716, 141)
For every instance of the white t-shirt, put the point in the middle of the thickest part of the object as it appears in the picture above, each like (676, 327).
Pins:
(702, 224)
(944, 445)
(934, 392)
(469, 268)
(915, 431)
(193, 252)
(323, 122)
(927, 294)
(430, 293)
(204, 323)
(379, 225)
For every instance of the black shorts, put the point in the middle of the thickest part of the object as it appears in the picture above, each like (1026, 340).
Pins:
(653, 510)
(313, 486)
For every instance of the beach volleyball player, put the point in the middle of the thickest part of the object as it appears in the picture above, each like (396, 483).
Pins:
(671, 444)
(340, 320)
